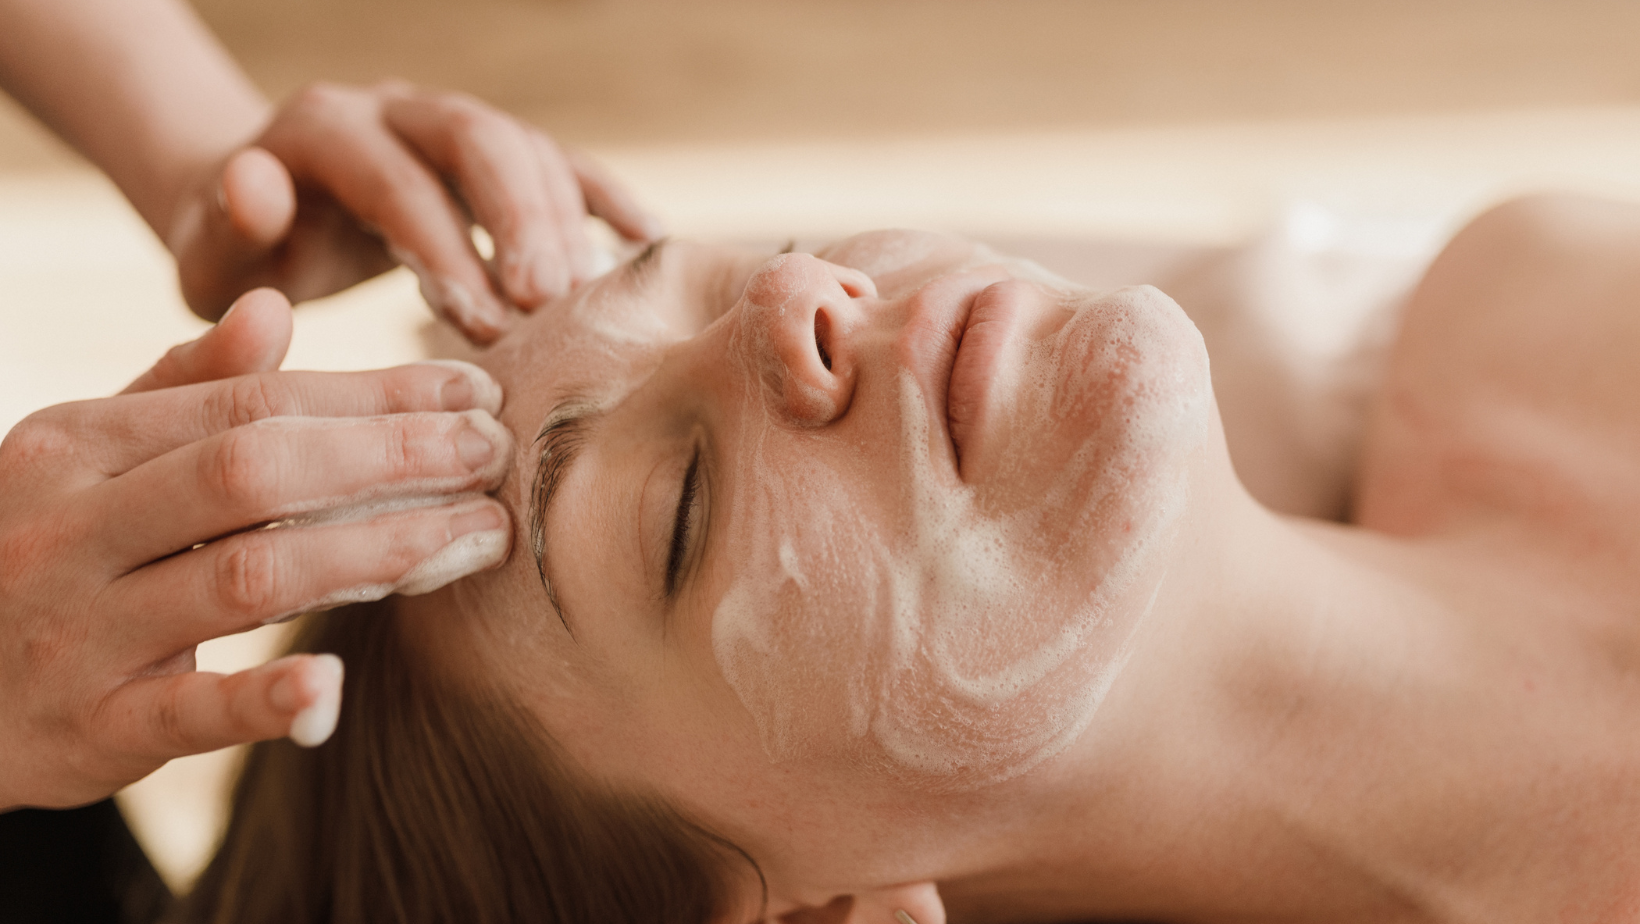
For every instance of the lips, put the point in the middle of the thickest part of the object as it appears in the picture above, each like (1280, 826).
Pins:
(984, 336)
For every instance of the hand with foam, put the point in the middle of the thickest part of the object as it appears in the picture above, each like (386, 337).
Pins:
(133, 528)
(345, 181)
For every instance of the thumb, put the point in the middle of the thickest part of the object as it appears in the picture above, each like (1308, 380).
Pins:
(231, 227)
(252, 337)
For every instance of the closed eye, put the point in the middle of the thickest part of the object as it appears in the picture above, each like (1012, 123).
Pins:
(681, 524)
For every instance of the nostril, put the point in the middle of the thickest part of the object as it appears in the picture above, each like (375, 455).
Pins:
(822, 333)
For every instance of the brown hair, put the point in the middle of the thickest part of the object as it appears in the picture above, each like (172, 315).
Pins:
(432, 803)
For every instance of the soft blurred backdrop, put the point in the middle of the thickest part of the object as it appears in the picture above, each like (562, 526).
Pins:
(1162, 122)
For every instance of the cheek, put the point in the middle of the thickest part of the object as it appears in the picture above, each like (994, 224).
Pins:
(796, 633)
(949, 639)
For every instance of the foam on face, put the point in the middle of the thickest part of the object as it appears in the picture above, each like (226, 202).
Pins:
(960, 636)
(461, 556)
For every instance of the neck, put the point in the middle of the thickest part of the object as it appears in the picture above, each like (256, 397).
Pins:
(1328, 724)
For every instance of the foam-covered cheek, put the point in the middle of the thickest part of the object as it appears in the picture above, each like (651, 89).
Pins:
(774, 630)
(950, 641)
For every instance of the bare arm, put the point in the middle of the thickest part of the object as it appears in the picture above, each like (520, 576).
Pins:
(336, 185)
(140, 87)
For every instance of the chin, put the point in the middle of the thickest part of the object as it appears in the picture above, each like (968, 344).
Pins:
(1029, 597)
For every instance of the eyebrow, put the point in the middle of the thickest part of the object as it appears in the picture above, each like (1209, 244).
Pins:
(564, 434)
(561, 439)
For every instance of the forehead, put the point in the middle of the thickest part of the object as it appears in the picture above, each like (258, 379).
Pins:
(598, 337)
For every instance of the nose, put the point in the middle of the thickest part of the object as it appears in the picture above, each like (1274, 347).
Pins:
(801, 312)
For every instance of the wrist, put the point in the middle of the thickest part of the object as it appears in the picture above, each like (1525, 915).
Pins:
(179, 185)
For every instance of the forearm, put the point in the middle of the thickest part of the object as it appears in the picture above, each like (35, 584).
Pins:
(140, 87)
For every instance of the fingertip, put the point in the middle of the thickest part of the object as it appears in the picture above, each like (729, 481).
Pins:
(252, 336)
(603, 260)
(608, 199)
(260, 306)
(551, 274)
(255, 333)
(258, 195)
(631, 224)
(322, 682)
(582, 256)
(481, 549)
(519, 270)
(479, 316)
(473, 388)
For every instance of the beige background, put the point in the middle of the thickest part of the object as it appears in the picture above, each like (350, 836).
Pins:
(1380, 124)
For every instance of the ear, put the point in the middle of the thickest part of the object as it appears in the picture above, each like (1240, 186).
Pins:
(919, 900)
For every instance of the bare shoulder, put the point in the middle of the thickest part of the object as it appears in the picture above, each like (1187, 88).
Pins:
(1513, 389)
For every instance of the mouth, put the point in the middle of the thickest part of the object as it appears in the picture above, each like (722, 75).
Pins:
(992, 318)
(932, 346)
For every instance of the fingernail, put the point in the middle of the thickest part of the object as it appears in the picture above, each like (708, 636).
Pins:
(482, 320)
(520, 277)
(475, 448)
(315, 723)
(457, 394)
(286, 694)
(471, 387)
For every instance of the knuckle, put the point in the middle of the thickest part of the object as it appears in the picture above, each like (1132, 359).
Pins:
(248, 579)
(393, 86)
(404, 452)
(249, 399)
(319, 96)
(457, 108)
(40, 651)
(394, 185)
(26, 554)
(169, 722)
(242, 471)
(40, 438)
(479, 133)
(409, 389)
(549, 147)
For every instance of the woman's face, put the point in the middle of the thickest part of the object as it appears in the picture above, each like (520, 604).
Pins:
(887, 516)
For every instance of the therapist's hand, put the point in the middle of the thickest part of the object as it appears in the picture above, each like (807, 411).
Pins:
(346, 182)
(128, 535)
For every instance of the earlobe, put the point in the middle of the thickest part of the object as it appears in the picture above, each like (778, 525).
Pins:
(919, 901)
